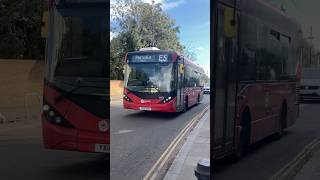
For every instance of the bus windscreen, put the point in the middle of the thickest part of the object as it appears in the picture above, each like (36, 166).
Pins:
(150, 77)
(81, 43)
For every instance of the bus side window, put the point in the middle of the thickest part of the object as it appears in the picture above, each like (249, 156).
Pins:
(247, 65)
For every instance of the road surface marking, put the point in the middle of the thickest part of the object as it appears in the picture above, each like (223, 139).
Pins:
(156, 168)
(294, 166)
(124, 131)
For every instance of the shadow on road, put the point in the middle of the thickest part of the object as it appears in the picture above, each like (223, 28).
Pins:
(224, 163)
(96, 168)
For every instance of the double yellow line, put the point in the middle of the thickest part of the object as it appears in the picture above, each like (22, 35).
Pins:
(157, 167)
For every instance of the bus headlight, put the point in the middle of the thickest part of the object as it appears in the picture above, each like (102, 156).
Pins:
(167, 99)
(125, 97)
(54, 117)
(51, 113)
(46, 107)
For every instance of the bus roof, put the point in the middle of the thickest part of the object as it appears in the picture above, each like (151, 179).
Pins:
(152, 51)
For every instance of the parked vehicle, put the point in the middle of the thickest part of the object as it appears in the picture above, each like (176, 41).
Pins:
(310, 84)
(206, 89)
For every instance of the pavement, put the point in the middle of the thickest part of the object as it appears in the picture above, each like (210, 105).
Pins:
(18, 117)
(115, 99)
(196, 147)
(311, 170)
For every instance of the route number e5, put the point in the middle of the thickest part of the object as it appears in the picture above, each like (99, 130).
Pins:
(163, 58)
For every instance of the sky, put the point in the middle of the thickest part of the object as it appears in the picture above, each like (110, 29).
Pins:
(193, 18)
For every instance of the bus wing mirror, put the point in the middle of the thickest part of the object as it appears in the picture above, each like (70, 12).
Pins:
(181, 68)
(229, 24)
(44, 25)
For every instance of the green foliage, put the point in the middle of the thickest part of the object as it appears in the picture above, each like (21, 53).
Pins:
(20, 30)
(139, 25)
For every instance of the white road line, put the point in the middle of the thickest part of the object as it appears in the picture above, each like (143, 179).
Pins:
(294, 166)
(124, 131)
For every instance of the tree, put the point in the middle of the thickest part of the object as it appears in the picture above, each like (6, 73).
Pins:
(190, 52)
(20, 29)
(137, 25)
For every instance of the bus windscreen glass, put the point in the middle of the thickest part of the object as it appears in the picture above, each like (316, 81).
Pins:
(150, 77)
(80, 43)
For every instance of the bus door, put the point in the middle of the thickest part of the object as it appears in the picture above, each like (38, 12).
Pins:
(225, 80)
(180, 82)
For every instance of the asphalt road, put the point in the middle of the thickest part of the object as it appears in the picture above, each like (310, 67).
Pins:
(139, 138)
(268, 156)
(22, 156)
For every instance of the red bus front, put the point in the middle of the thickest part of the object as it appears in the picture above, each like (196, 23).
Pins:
(75, 98)
(150, 81)
(133, 101)
(161, 81)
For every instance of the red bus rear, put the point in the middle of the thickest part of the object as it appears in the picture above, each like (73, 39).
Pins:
(161, 81)
(75, 98)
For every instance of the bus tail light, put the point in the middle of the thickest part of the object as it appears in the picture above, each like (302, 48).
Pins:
(125, 97)
(54, 117)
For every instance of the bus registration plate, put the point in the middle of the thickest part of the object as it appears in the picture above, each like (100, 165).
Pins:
(102, 148)
(145, 108)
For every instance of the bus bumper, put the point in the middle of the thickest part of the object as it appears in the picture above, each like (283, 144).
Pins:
(61, 138)
(166, 107)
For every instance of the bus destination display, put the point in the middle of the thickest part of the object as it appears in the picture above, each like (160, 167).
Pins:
(148, 58)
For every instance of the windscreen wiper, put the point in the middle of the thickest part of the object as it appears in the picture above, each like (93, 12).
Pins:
(68, 93)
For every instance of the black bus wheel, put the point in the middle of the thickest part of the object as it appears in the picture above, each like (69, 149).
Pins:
(185, 108)
(281, 121)
(244, 139)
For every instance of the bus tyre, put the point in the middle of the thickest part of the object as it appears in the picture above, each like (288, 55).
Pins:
(243, 143)
(241, 147)
(185, 108)
(281, 122)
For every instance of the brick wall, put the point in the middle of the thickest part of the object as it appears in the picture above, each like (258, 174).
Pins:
(20, 79)
(116, 88)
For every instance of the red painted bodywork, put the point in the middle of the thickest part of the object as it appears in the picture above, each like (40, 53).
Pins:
(81, 138)
(156, 105)
(265, 101)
